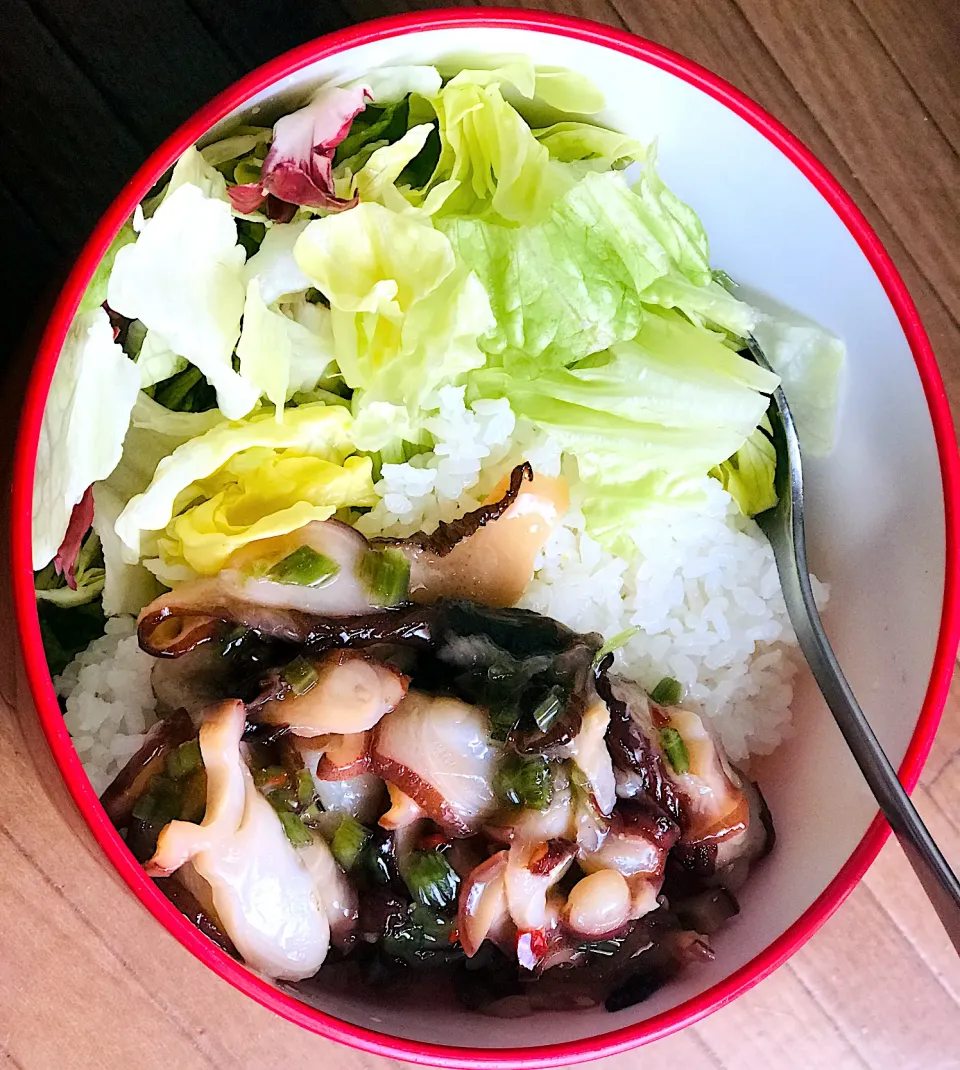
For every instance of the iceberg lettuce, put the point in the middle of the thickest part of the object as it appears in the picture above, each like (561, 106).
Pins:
(405, 316)
(280, 356)
(315, 431)
(86, 417)
(182, 278)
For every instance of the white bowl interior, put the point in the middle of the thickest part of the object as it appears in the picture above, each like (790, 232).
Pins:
(876, 523)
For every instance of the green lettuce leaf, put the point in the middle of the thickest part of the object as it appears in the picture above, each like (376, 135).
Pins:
(319, 432)
(673, 400)
(87, 413)
(749, 474)
(577, 282)
(182, 278)
(602, 149)
(279, 355)
(405, 316)
(96, 292)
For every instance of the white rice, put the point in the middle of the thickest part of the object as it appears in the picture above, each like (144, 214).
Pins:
(700, 584)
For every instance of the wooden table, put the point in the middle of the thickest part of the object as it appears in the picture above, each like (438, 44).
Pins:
(88, 979)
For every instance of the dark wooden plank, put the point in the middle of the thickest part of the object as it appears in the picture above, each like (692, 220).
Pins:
(923, 45)
(154, 63)
(870, 113)
(65, 153)
(253, 32)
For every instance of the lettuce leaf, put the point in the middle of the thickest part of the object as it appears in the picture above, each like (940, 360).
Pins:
(157, 361)
(809, 359)
(317, 430)
(673, 400)
(87, 413)
(578, 282)
(487, 147)
(572, 142)
(154, 433)
(183, 279)
(405, 316)
(749, 474)
(259, 494)
(273, 265)
(96, 292)
(195, 170)
(279, 355)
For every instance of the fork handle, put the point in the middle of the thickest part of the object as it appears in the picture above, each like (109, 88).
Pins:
(938, 879)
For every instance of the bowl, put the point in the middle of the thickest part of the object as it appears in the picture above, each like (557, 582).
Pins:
(882, 509)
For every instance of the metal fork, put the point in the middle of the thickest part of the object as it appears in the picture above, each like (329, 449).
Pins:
(783, 526)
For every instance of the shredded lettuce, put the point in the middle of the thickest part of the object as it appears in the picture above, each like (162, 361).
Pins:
(183, 279)
(156, 360)
(96, 292)
(194, 169)
(405, 316)
(86, 417)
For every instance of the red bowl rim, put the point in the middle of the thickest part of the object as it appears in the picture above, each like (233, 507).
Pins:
(692, 1010)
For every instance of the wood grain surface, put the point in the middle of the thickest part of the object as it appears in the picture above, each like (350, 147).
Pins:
(87, 978)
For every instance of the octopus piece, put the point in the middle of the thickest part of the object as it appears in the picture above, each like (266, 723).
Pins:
(599, 905)
(532, 870)
(347, 694)
(264, 896)
(360, 795)
(132, 781)
(437, 750)
(636, 847)
(482, 908)
(403, 810)
(244, 593)
(723, 823)
(488, 555)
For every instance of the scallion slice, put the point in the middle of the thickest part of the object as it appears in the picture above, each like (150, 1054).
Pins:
(348, 842)
(306, 792)
(305, 567)
(524, 781)
(668, 692)
(675, 750)
(300, 675)
(430, 879)
(297, 832)
(386, 576)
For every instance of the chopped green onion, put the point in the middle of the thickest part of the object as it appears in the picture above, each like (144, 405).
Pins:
(283, 800)
(306, 792)
(614, 643)
(668, 692)
(524, 781)
(305, 568)
(312, 814)
(548, 708)
(348, 842)
(675, 750)
(430, 878)
(300, 675)
(386, 576)
(274, 776)
(184, 760)
(297, 832)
